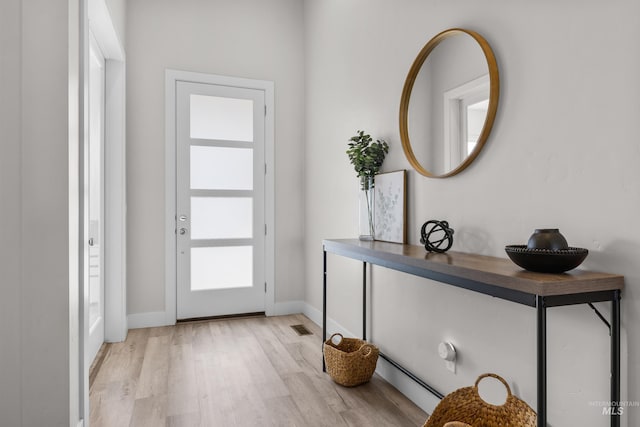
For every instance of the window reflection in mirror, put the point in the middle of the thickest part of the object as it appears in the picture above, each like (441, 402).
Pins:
(476, 114)
(465, 110)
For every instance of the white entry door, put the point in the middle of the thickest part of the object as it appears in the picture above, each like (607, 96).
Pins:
(220, 221)
(94, 193)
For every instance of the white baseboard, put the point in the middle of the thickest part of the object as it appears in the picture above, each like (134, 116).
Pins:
(424, 399)
(414, 392)
(332, 326)
(147, 320)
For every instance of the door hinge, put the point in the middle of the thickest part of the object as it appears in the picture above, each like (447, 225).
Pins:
(265, 168)
(265, 287)
(265, 110)
(265, 229)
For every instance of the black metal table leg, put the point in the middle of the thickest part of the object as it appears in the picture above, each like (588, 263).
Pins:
(364, 300)
(542, 360)
(324, 306)
(615, 359)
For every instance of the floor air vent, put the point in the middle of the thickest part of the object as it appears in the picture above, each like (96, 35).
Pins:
(301, 330)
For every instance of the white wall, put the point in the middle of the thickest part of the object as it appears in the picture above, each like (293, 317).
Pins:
(563, 153)
(37, 290)
(117, 11)
(10, 316)
(247, 38)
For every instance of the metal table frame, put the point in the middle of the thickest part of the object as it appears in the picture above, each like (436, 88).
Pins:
(351, 250)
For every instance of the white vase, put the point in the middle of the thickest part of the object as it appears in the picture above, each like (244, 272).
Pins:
(366, 205)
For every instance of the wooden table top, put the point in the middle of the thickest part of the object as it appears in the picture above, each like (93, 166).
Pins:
(485, 269)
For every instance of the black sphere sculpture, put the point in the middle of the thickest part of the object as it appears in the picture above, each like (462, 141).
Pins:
(436, 236)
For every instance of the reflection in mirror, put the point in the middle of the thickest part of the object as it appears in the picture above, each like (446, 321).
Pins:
(446, 108)
(465, 110)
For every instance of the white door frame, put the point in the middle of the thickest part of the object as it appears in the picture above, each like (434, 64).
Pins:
(115, 293)
(171, 79)
(95, 13)
(96, 331)
(115, 204)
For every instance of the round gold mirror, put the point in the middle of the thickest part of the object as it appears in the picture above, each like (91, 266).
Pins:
(449, 102)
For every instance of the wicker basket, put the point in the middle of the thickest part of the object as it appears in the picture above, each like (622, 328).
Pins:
(465, 405)
(351, 361)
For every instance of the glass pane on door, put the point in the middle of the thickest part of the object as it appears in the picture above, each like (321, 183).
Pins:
(215, 117)
(221, 267)
(221, 217)
(221, 168)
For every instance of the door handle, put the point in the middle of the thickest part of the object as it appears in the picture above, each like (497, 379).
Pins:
(183, 231)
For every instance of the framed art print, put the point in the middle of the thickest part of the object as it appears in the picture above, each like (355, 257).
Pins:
(390, 207)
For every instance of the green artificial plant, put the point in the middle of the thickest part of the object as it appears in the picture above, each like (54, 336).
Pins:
(366, 157)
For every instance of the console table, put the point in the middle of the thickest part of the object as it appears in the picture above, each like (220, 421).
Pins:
(497, 277)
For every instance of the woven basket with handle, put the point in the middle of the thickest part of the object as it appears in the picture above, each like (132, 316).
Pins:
(466, 406)
(351, 361)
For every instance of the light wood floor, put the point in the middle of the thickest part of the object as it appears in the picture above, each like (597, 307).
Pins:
(240, 372)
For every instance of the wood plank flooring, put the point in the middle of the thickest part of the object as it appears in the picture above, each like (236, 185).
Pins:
(235, 372)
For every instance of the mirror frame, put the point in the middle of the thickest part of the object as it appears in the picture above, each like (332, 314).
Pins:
(494, 94)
